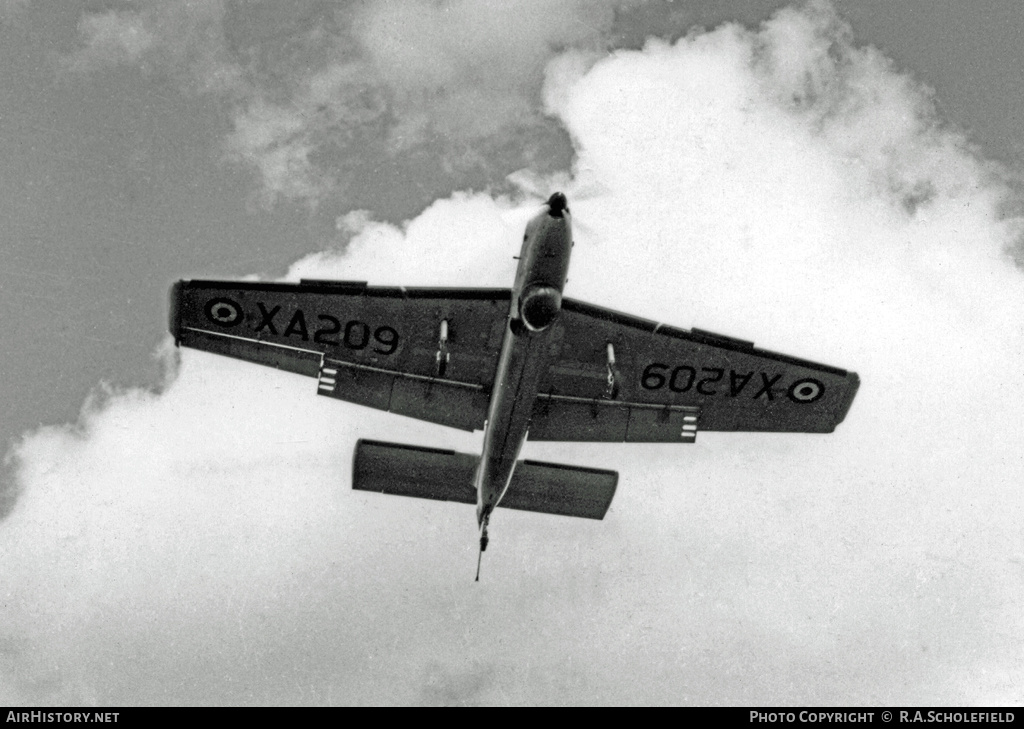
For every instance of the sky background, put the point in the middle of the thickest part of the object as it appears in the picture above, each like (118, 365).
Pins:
(839, 182)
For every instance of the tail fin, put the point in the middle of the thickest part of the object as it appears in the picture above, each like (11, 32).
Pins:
(429, 473)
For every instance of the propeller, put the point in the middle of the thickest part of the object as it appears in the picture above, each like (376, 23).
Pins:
(579, 188)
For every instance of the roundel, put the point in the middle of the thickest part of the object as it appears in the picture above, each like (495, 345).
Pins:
(224, 312)
(806, 390)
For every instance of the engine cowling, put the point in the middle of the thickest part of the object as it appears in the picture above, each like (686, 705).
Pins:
(539, 307)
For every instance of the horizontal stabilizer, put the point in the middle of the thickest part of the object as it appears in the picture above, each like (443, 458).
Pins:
(431, 473)
(402, 470)
(551, 488)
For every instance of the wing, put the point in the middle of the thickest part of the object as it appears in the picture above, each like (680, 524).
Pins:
(621, 378)
(427, 353)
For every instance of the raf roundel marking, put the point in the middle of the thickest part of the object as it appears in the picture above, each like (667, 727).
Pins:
(806, 390)
(223, 312)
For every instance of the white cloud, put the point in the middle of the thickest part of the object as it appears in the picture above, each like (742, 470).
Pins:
(465, 238)
(277, 141)
(111, 38)
(473, 68)
(203, 545)
(312, 88)
(457, 77)
(185, 38)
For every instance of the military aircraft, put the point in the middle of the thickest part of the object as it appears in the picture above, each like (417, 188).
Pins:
(518, 363)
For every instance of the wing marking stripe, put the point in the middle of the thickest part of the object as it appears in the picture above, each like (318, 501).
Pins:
(338, 363)
(254, 341)
(622, 404)
(408, 375)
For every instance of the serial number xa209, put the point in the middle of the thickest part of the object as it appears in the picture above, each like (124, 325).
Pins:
(322, 329)
(711, 381)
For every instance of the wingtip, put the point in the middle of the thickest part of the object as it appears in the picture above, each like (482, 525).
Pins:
(853, 384)
(174, 312)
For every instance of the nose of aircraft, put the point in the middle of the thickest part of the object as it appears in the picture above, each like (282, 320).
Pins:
(557, 205)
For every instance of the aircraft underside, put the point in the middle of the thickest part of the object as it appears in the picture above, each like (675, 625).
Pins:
(510, 362)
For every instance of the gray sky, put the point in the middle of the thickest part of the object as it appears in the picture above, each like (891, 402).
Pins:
(196, 541)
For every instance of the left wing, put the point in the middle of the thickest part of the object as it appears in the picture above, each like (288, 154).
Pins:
(622, 378)
(429, 353)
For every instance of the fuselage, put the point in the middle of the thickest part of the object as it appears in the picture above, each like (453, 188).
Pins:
(529, 344)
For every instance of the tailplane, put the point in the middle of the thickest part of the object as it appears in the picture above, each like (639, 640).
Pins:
(430, 473)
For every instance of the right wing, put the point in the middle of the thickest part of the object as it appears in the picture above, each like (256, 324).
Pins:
(429, 353)
(665, 384)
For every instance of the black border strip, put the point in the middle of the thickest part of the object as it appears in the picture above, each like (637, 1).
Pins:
(358, 288)
(384, 445)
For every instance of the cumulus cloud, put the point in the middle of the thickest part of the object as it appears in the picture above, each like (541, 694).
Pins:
(313, 86)
(185, 38)
(471, 69)
(111, 38)
(459, 78)
(781, 185)
(419, 253)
